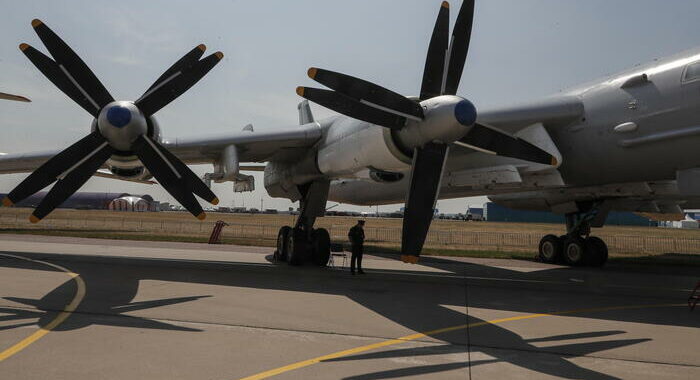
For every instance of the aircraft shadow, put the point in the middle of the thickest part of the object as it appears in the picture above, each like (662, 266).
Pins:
(416, 304)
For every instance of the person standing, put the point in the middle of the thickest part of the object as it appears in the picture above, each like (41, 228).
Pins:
(357, 240)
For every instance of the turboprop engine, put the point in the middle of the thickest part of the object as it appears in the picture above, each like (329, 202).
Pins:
(354, 147)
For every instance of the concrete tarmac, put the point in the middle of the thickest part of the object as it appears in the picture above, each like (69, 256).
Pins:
(106, 309)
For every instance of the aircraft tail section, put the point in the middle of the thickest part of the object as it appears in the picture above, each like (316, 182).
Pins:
(305, 115)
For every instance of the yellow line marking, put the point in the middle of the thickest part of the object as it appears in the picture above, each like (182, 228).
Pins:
(408, 338)
(60, 318)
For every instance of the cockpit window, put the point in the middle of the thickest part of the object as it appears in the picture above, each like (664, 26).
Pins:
(692, 72)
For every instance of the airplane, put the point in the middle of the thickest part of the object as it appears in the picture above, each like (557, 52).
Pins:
(616, 144)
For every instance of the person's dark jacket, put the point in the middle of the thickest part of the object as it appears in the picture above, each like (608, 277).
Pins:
(356, 235)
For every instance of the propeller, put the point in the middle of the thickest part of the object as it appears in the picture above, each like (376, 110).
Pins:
(122, 127)
(427, 125)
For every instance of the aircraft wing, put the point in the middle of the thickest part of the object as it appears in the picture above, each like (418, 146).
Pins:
(16, 98)
(252, 146)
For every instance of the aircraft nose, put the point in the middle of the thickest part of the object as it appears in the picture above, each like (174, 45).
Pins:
(119, 116)
(465, 113)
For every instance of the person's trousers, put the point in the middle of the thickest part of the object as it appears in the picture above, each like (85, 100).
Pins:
(356, 258)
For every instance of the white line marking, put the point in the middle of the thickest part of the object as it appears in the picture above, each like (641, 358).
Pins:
(385, 109)
(161, 84)
(475, 148)
(177, 174)
(82, 91)
(94, 152)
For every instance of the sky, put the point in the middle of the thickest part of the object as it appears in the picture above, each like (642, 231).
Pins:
(521, 50)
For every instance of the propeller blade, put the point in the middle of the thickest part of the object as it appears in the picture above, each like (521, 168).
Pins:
(74, 68)
(167, 175)
(351, 107)
(367, 93)
(53, 72)
(502, 144)
(435, 62)
(192, 181)
(426, 175)
(49, 172)
(71, 181)
(459, 47)
(182, 64)
(17, 98)
(176, 84)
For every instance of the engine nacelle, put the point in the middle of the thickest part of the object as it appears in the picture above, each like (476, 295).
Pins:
(352, 146)
(283, 178)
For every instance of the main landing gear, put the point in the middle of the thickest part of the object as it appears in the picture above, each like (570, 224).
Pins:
(303, 243)
(577, 247)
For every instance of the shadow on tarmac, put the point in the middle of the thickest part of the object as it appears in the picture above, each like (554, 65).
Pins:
(404, 297)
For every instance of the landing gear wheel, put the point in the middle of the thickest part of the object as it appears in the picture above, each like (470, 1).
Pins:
(575, 251)
(296, 246)
(282, 236)
(321, 247)
(550, 249)
(597, 251)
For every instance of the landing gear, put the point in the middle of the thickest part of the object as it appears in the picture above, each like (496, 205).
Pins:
(577, 247)
(295, 246)
(302, 242)
(550, 249)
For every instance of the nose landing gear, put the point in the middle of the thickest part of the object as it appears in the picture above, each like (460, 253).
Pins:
(577, 247)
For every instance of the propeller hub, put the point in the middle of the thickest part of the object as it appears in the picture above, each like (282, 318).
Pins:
(447, 119)
(121, 122)
(465, 113)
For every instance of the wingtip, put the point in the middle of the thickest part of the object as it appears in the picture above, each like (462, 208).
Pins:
(312, 72)
(215, 201)
(300, 91)
(7, 202)
(23, 46)
(219, 55)
(202, 47)
(409, 259)
(34, 219)
(445, 4)
(36, 22)
(202, 216)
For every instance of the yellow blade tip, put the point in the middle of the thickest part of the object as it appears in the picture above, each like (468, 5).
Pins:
(215, 201)
(312, 72)
(219, 54)
(34, 219)
(7, 202)
(23, 46)
(445, 4)
(202, 47)
(554, 161)
(202, 216)
(300, 91)
(36, 22)
(409, 259)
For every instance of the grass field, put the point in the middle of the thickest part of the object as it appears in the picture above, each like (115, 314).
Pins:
(383, 234)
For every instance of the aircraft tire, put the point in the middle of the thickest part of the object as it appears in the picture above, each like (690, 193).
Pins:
(296, 246)
(282, 237)
(321, 243)
(575, 252)
(597, 251)
(550, 249)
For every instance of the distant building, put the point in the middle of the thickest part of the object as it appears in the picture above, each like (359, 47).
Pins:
(497, 213)
(97, 201)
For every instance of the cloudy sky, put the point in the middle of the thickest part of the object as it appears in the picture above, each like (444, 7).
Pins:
(521, 49)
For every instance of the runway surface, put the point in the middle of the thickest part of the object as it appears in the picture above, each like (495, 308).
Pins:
(102, 309)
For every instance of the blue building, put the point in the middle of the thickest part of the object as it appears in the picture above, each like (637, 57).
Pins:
(497, 213)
